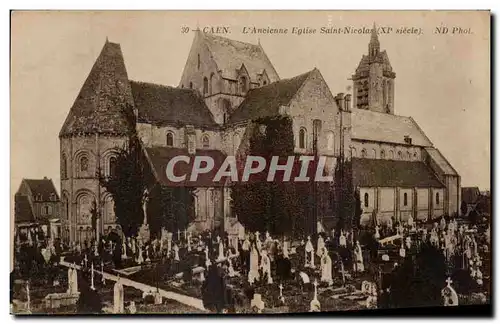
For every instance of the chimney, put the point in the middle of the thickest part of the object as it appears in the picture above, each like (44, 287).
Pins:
(347, 102)
(45, 178)
(339, 99)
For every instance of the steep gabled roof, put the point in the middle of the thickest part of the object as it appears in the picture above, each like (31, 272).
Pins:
(381, 127)
(22, 210)
(159, 157)
(159, 105)
(441, 161)
(266, 101)
(230, 54)
(103, 97)
(391, 173)
(43, 187)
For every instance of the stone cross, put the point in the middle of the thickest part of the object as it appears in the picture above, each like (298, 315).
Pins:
(102, 272)
(207, 258)
(92, 276)
(28, 303)
(176, 253)
(449, 282)
(124, 248)
(315, 306)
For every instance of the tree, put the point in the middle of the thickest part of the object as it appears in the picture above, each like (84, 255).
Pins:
(94, 215)
(278, 207)
(357, 210)
(127, 186)
(419, 280)
(173, 208)
(344, 195)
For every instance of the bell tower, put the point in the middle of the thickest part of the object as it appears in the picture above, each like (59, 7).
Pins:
(373, 80)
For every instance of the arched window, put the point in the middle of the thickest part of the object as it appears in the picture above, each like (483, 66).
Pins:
(408, 156)
(437, 198)
(84, 206)
(265, 82)
(64, 167)
(108, 209)
(65, 207)
(112, 166)
(225, 108)
(199, 62)
(354, 153)
(190, 85)
(330, 141)
(367, 203)
(205, 85)
(205, 141)
(211, 84)
(363, 153)
(400, 155)
(405, 199)
(391, 155)
(170, 139)
(415, 156)
(382, 154)
(84, 164)
(243, 84)
(302, 138)
(46, 210)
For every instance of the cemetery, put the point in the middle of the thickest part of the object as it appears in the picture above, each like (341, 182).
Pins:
(207, 272)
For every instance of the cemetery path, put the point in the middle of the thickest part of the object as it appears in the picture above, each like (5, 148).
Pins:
(187, 300)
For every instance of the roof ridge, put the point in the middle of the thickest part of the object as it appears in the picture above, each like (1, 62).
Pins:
(229, 39)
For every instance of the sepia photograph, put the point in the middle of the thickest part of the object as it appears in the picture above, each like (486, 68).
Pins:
(250, 162)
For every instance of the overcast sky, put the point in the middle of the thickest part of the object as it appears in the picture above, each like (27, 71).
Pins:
(442, 81)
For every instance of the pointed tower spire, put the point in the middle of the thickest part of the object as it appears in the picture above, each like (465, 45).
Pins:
(374, 45)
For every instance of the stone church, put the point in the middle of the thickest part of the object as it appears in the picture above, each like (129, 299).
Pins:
(225, 85)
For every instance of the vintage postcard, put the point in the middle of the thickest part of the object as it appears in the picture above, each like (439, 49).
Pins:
(249, 162)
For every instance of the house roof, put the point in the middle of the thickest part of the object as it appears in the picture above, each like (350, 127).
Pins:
(441, 161)
(381, 127)
(390, 173)
(266, 101)
(43, 187)
(160, 156)
(23, 212)
(159, 105)
(470, 195)
(103, 98)
(230, 55)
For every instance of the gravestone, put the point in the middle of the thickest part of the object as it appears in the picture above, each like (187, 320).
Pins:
(320, 246)
(326, 268)
(315, 306)
(342, 239)
(358, 256)
(266, 267)
(449, 295)
(309, 249)
(257, 303)
(253, 272)
(176, 253)
(118, 298)
(285, 249)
